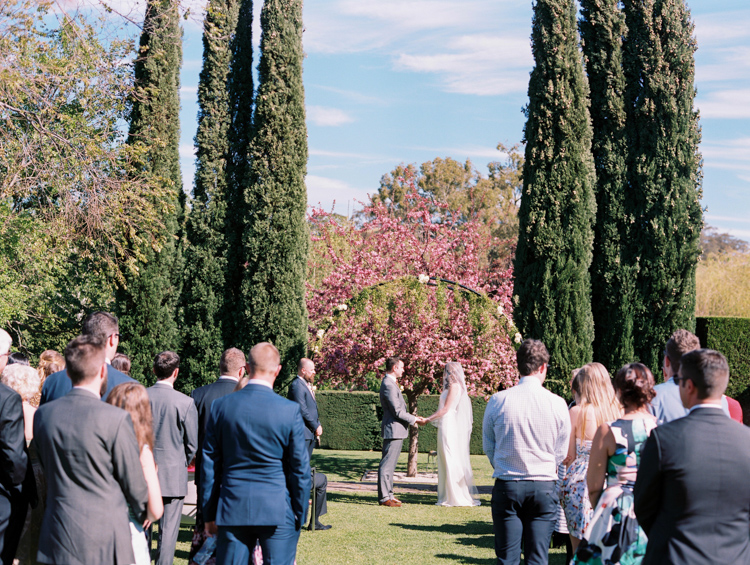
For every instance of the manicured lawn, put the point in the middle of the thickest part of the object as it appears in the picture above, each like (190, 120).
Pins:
(418, 533)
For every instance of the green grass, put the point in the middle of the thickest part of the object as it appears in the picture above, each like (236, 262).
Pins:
(418, 533)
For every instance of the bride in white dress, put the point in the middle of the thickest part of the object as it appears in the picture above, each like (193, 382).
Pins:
(454, 420)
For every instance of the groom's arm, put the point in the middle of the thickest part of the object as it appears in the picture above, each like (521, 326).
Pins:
(399, 408)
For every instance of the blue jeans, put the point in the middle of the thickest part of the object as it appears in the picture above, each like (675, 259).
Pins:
(523, 510)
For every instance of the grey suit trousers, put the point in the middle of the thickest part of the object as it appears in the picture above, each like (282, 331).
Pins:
(169, 529)
(391, 451)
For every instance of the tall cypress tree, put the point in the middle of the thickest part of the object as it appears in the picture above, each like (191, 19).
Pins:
(275, 237)
(612, 277)
(205, 257)
(147, 302)
(552, 284)
(240, 88)
(664, 169)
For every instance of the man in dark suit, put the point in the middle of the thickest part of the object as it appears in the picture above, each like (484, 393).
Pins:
(692, 496)
(396, 420)
(92, 467)
(13, 462)
(256, 470)
(104, 326)
(175, 443)
(301, 391)
(231, 370)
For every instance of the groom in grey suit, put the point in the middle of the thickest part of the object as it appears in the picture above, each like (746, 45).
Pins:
(175, 443)
(396, 419)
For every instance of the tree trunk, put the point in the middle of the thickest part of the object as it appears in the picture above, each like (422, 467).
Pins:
(411, 468)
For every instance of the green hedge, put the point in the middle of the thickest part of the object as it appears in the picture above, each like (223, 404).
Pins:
(351, 421)
(731, 336)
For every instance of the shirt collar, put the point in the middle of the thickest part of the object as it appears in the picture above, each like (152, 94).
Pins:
(529, 380)
(260, 382)
(389, 376)
(229, 377)
(706, 405)
(165, 382)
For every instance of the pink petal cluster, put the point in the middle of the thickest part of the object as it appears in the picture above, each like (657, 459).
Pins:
(374, 269)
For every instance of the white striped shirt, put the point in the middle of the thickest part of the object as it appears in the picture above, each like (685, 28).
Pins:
(525, 432)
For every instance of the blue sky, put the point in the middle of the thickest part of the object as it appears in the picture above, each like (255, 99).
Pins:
(405, 81)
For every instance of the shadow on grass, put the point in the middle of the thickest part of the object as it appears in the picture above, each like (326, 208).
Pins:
(480, 532)
(372, 498)
(351, 468)
(453, 558)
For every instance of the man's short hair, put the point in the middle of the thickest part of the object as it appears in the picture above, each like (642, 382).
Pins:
(304, 362)
(263, 358)
(165, 363)
(390, 363)
(531, 356)
(232, 360)
(679, 343)
(709, 371)
(100, 324)
(5, 341)
(84, 357)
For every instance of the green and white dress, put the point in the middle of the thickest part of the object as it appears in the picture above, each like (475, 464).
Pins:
(614, 536)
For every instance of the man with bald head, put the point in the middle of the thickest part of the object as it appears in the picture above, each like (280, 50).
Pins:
(256, 469)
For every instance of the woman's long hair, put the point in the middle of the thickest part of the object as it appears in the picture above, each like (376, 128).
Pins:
(595, 391)
(133, 398)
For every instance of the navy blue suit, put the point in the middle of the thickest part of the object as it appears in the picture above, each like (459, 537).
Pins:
(59, 384)
(255, 475)
(299, 393)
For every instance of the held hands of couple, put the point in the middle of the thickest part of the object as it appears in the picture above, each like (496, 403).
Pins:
(421, 421)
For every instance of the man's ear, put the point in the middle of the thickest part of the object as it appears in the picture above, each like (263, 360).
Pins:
(242, 371)
(278, 370)
(175, 373)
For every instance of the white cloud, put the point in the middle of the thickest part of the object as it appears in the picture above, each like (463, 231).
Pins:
(187, 151)
(722, 27)
(350, 94)
(333, 194)
(717, 218)
(725, 104)
(191, 90)
(735, 150)
(327, 117)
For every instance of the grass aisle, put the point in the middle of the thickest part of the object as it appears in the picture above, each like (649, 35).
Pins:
(418, 533)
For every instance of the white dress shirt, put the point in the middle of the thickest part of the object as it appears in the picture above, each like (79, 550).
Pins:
(525, 432)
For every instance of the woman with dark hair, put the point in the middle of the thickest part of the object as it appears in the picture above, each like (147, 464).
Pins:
(614, 535)
(122, 363)
(133, 398)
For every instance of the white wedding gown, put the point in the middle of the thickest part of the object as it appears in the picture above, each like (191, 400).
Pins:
(455, 477)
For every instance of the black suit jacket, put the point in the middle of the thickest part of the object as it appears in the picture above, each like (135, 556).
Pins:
(93, 470)
(13, 459)
(59, 384)
(299, 393)
(692, 494)
(203, 398)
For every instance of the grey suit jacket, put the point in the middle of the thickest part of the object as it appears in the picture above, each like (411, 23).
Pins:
(93, 470)
(175, 437)
(396, 418)
(692, 494)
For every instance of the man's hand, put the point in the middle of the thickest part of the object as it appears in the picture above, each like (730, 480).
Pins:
(421, 421)
(319, 431)
(211, 528)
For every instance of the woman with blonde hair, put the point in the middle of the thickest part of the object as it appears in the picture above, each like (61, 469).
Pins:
(596, 404)
(133, 398)
(50, 361)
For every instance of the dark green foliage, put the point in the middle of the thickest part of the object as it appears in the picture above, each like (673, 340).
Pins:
(663, 170)
(552, 285)
(275, 237)
(612, 278)
(205, 257)
(730, 336)
(351, 421)
(147, 302)
(240, 88)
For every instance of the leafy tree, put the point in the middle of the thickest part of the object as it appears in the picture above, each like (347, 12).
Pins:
(663, 169)
(714, 242)
(147, 301)
(240, 88)
(275, 237)
(205, 257)
(602, 27)
(552, 285)
(72, 199)
(378, 301)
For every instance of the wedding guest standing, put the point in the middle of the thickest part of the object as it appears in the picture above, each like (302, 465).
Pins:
(175, 443)
(692, 494)
(526, 430)
(15, 461)
(595, 403)
(614, 536)
(92, 466)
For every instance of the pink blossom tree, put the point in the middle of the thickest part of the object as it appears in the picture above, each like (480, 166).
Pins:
(417, 286)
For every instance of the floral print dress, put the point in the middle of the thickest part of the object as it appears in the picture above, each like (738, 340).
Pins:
(574, 494)
(614, 535)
